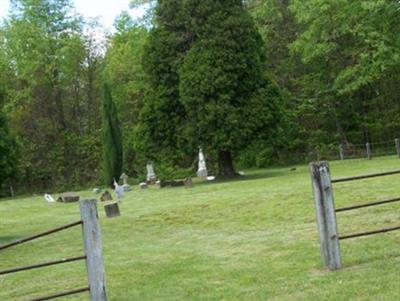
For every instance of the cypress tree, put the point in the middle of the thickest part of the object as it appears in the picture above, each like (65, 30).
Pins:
(112, 142)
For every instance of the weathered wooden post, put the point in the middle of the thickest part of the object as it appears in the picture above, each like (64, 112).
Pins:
(326, 215)
(397, 142)
(93, 250)
(369, 153)
(341, 152)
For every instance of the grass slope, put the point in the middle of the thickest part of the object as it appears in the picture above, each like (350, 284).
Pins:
(252, 239)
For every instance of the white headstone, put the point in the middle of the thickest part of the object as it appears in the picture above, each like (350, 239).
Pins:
(119, 190)
(151, 175)
(202, 170)
(48, 198)
(96, 190)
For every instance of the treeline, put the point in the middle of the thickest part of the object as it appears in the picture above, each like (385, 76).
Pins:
(338, 65)
(251, 82)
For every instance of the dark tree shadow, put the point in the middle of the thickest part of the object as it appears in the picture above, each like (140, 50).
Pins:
(251, 176)
(370, 259)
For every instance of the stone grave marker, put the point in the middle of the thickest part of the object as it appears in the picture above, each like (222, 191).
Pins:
(68, 197)
(151, 175)
(106, 196)
(124, 177)
(112, 210)
(202, 170)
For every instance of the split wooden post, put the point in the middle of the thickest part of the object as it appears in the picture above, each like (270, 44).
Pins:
(369, 153)
(326, 215)
(397, 142)
(341, 152)
(93, 250)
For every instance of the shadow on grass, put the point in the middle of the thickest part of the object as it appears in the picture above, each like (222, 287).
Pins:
(371, 259)
(251, 176)
(8, 239)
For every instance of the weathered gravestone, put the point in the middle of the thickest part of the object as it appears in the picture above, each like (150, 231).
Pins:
(106, 196)
(143, 185)
(188, 182)
(124, 177)
(151, 175)
(170, 183)
(112, 210)
(119, 190)
(160, 184)
(68, 197)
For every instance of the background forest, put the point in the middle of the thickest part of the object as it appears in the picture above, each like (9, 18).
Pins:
(314, 74)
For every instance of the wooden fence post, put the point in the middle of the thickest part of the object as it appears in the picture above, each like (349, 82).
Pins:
(341, 152)
(369, 153)
(397, 142)
(326, 215)
(93, 250)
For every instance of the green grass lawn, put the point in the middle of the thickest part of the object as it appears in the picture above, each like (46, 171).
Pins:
(250, 239)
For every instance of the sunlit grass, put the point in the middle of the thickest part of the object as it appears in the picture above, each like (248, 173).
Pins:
(250, 239)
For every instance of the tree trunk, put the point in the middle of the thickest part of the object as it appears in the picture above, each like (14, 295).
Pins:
(226, 169)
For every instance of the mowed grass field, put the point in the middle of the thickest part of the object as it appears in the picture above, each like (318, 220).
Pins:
(248, 239)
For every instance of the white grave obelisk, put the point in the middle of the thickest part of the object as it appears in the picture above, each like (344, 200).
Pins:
(151, 175)
(202, 171)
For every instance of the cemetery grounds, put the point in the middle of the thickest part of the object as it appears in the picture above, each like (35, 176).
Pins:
(249, 239)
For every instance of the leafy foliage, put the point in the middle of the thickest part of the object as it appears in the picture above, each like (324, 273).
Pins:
(337, 63)
(51, 93)
(8, 156)
(196, 73)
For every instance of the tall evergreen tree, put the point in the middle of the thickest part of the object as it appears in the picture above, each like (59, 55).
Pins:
(158, 133)
(205, 64)
(123, 71)
(112, 142)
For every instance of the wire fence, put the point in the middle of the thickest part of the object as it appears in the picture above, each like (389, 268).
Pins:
(344, 151)
(93, 254)
(326, 211)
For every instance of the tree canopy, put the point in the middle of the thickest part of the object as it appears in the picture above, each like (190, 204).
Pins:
(254, 83)
(207, 84)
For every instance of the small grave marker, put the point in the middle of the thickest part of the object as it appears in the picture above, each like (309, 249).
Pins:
(106, 196)
(112, 210)
(68, 197)
(143, 185)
